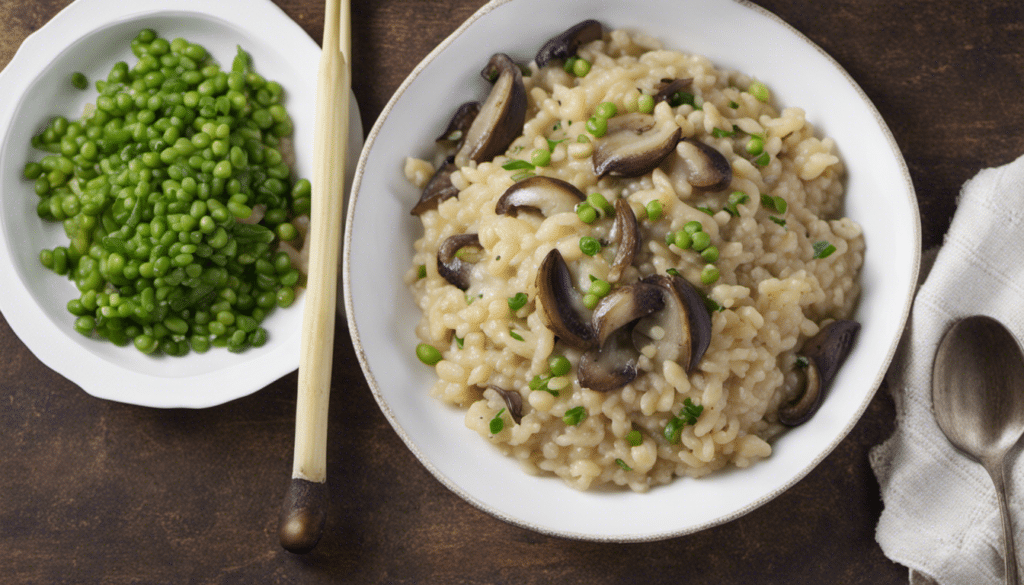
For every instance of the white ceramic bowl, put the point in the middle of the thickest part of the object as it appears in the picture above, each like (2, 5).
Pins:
(90, 36)
(378, 248)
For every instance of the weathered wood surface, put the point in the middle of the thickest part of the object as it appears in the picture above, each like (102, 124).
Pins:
(98, 492)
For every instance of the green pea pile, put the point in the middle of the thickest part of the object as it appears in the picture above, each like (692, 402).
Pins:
(150, 187)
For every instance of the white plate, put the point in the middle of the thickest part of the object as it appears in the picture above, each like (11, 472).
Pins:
(382, 315)
(90, 36)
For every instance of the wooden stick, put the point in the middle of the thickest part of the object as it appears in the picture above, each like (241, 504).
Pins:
(305, 507)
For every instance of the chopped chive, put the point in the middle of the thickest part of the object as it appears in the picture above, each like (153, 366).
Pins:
(515, 335)
(634, 438)
(623, 465)
(763, 160)
(823, 249)
(516, 165)
(459, 341)
(421, 272)
(574, 416)
(497, 423)
(778, 220)
(517, 302)
(706, 209)
(719, 133)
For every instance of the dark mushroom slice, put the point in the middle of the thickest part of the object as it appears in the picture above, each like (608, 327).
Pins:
(513, 401)
(634, 145)
(561, 305)
(438, 188)
(705, 167)
(626, 232)
(623, 306)
(825, 353)
(461, 120)
(565, 44)
(685, 323)
(544, 194)
(611, 367)
(669, 88)
(501, 116)
(452, 268)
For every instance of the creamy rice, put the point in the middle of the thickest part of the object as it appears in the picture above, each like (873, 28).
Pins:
(772, 295)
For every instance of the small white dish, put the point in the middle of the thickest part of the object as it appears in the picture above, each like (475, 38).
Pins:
(89, 36)
(380, 233)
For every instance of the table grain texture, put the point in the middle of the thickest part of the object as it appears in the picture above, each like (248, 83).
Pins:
(99, 492)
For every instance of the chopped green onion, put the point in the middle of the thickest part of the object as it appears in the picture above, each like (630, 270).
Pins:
(774, 203)
(706, 210)
(802, 362)
(719, 133)
(540, 157)
(574, 416)
(421, 271)
(778, 220)
(517, 165)
(460, 341)
(672, 272)
(734, 105)
(634, 438)
(763, 160)
(736, 198)
(523, 175)
(589, 246)
(515, 335)
(517, 302)
(623, 465)
(823, 249)
(497, 423)
(540, 383)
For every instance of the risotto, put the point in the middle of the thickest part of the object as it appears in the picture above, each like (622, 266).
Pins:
(622, 288)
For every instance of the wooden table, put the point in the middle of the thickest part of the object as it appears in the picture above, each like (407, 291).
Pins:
(99, 492)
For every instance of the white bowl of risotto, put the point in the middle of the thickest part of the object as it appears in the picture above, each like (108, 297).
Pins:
(659, 278)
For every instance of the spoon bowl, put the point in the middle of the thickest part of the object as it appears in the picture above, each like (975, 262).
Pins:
(978, 398)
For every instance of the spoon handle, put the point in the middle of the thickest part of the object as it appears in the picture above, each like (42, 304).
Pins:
(1009, 550)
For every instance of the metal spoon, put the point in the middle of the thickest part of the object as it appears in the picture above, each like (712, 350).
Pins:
(978, 397)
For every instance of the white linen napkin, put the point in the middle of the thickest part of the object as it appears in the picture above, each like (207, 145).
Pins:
(940, 517)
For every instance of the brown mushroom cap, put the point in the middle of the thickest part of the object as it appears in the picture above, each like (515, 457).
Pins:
(670, 87)
(705, 167)
(624, 305)
(685, 323)
(634, 145)
(461, 120)
(561, 306)
(452, 268)
(565, 44)
(825, 353)
(501, 116)
(513, 401)
(544, 194)
(626, 232)
(611, 367)
(437, 189)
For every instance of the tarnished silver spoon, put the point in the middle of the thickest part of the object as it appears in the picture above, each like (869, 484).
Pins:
(978, 397)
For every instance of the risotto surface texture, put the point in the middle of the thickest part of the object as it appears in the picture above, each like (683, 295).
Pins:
(779, 280)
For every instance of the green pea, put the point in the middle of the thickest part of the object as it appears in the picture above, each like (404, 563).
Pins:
(581, 67)
(590, 300)
(606, 110)
(598, 201)
(654, 210)
(645, 104)
(709, 274)
(589, 245)
(692, 227)
(701, 240)
(559, 365)
(682, 239)
(600, 287)
(428, 354)
(541, 157)
(597, 126)
(586, 213)
(710, 254)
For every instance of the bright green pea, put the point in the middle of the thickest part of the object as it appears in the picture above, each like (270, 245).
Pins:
(586, 213)
(606, 110)
(709, 274)
(710, 254)
(589, 245)
(428, 354)
(692, 227)
(597, 126)
(682, 240)
(645, 104)
(580, 67)
(559, 365)
(701, 240)
(654, 210)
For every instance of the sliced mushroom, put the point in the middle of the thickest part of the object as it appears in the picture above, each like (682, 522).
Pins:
(611, 367)
(825, 353)
(624, 305)
(565, 44)
(544, 194)
(452, 268)
(634, 145)
(705, 167)
(627, 233)
(437, 189)
(513, 401)
(562, 306)
(669, 88)
(501, 116)
(681, 332)
(461, 120)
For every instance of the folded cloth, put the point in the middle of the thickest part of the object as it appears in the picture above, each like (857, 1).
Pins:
(941, 517)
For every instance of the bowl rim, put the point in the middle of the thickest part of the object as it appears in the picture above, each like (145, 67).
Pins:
(825, 451)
